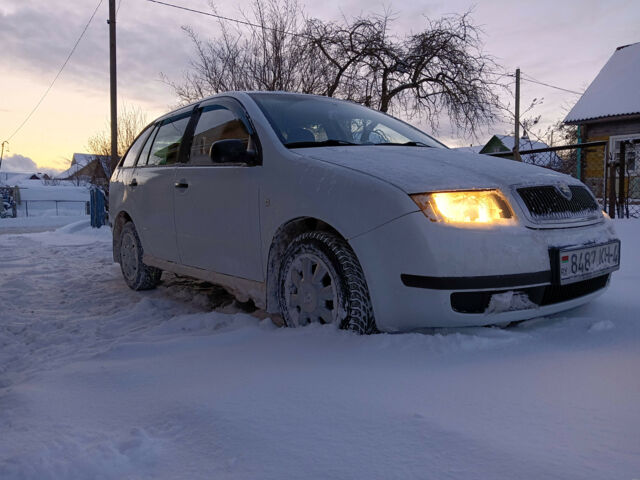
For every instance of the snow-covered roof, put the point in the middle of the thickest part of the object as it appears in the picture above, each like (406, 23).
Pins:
(81, 160)
(615, 89)
(542, 159)
(470, 148)
(525, 142)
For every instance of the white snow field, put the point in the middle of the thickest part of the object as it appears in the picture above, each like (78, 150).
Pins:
(100, 382)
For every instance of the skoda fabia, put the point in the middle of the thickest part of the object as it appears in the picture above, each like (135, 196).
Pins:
(325, 211)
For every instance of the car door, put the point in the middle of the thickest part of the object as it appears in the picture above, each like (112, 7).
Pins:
(152, 188)
(217, 203)
(120, 190)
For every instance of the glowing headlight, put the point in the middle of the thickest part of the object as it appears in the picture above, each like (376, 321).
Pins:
(481, 207)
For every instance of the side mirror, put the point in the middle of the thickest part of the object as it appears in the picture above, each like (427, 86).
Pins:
(232, 151)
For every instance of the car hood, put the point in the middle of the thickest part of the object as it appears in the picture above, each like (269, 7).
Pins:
(424, 169)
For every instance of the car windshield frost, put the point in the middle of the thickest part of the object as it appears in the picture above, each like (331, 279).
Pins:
(302, 121)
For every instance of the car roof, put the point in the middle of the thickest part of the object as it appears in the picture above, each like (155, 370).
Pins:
(234, 94)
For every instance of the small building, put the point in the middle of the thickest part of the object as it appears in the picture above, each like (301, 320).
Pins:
(609, 110)
(505, 144)
(88, 168)
(39, 176)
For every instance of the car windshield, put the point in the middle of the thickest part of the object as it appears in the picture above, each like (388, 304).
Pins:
(302, 121)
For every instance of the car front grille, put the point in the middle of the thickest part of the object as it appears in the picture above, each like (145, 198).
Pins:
(548, 204)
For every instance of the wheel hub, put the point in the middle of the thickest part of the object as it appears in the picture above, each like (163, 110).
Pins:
(311, 291)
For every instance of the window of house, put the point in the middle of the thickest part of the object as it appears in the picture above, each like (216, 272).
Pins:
(166, 145)
(217, 122)
(632, 152)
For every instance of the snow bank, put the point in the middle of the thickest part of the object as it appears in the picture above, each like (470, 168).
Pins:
(97, 381)
(74, 234)
(25, 224)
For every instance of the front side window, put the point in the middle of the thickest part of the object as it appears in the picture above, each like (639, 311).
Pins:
(132, 154)
(166, 145)
(217, 122)
(312, 121)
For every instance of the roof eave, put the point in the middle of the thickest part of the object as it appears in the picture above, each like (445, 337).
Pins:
(603, 118)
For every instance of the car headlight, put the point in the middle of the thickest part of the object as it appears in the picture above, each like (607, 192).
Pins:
(478, 207)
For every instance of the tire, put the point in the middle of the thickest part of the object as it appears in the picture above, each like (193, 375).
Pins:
(321, 280)
(137, 275)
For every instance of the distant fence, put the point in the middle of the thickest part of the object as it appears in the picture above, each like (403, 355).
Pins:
(47, 208)
(613, 177)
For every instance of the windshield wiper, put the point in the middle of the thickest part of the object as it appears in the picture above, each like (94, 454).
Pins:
(326, 143)
(405, 144)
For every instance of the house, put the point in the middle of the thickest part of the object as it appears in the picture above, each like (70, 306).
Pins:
(505, 143)
(88, 168)
(609, 110)
(39, 176)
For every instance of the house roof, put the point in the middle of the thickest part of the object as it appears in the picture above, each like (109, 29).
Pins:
(542, 159)
(525, 143)
(470, 148)
(614, 91)
(81, 160)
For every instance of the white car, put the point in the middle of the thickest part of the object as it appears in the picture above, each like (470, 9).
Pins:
(325, 211)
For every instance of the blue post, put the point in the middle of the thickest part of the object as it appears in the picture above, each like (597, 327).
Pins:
(97, 207)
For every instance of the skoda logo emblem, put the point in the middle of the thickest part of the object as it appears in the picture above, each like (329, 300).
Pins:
(565, 191)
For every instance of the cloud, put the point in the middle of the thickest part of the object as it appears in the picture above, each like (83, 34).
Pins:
(18, 163)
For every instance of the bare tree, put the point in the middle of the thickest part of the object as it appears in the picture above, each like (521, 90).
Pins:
(441, 69)
(271, 53)
(131, 121)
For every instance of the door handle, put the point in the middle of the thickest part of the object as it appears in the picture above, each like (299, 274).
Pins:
(181, 185)
(133, 183)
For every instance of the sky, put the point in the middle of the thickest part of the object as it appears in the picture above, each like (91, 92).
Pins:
(560, 42)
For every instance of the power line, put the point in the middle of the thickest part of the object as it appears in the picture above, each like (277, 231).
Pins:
(58, 74)
(532, 80)
(229, 19)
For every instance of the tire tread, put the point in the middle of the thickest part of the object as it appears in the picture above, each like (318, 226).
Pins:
(359, 316)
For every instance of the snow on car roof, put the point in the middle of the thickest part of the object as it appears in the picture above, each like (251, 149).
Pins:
(614, 91)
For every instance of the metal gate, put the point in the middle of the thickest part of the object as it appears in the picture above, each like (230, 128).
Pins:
(623, 186)
(612, 176)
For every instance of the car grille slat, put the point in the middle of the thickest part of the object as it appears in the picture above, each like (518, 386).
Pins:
(547, 204)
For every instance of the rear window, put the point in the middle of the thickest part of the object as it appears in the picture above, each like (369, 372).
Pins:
(134, 150)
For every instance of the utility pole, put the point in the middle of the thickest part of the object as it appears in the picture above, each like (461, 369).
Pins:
(113, 83)
(516, 144)
(2, 152)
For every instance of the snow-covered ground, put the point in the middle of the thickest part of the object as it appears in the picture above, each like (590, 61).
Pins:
(100, 382)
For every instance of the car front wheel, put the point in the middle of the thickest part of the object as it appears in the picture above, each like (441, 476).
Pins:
(137, 275)
(321, 281)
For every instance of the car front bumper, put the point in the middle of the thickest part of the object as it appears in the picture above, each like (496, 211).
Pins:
(423, 274)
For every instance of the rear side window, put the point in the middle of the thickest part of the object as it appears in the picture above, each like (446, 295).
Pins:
(132, 154)
(144, 155)
(217, 122)
(166, 145)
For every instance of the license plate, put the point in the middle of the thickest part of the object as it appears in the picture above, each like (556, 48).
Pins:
(580, 263)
